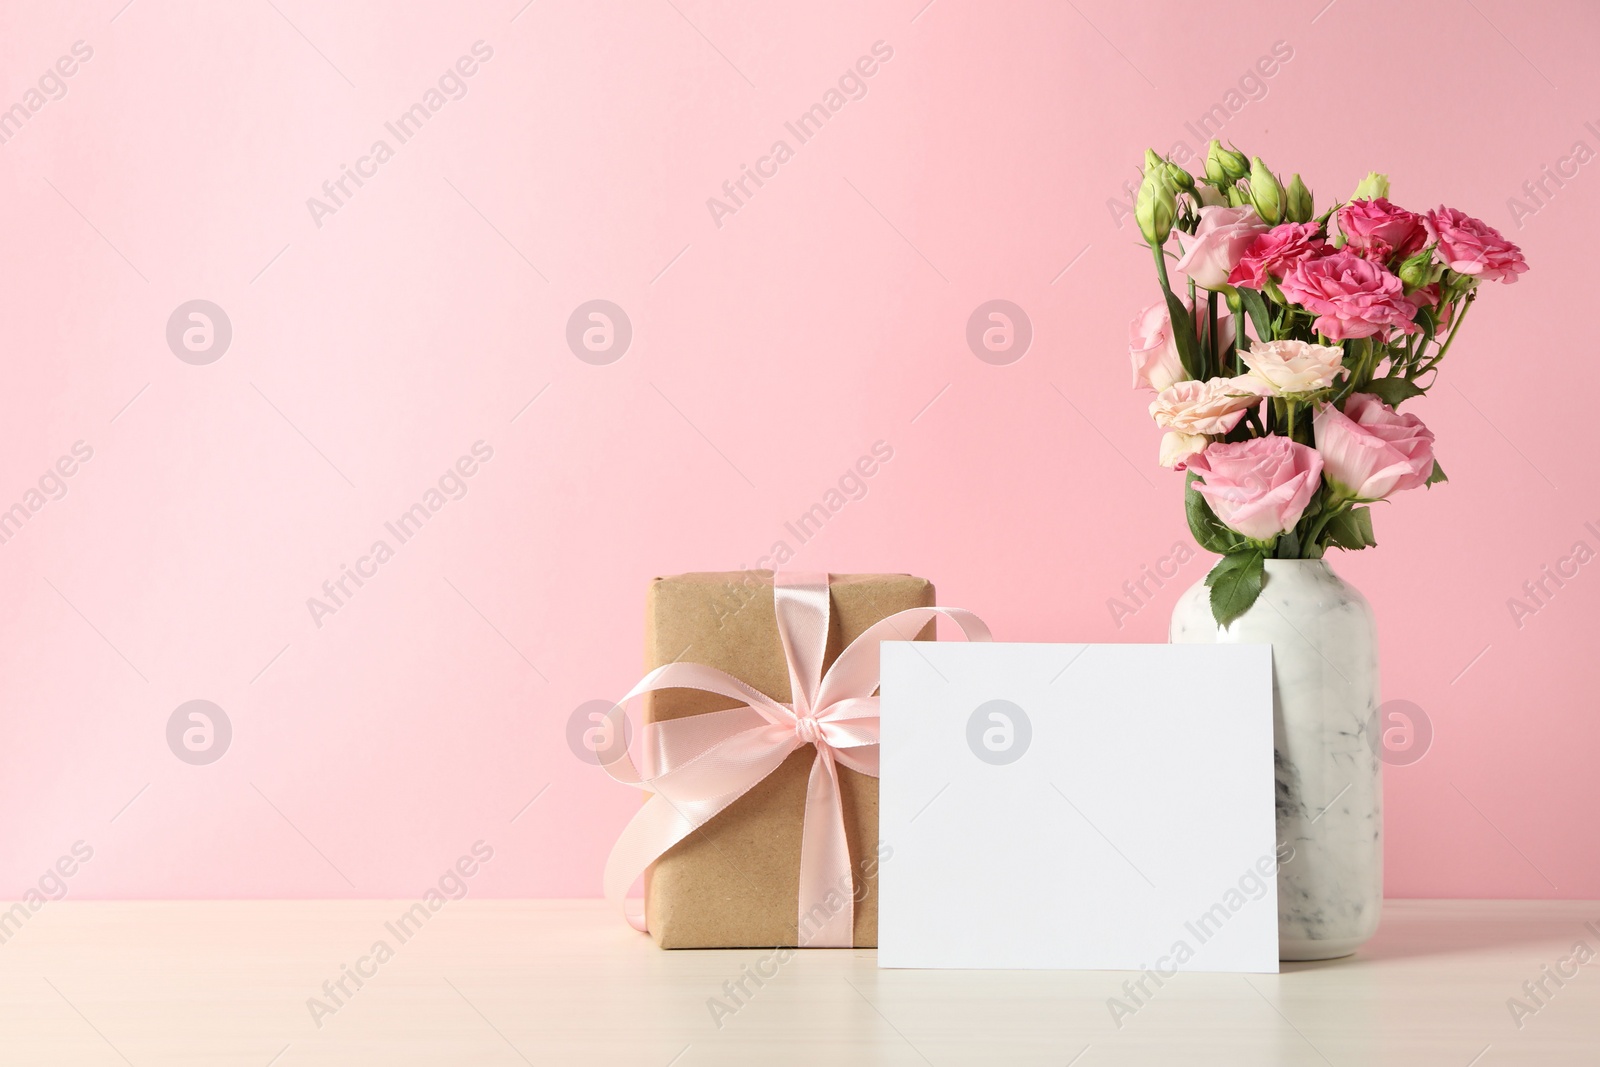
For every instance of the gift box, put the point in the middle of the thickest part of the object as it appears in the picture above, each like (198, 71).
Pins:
(733, 882)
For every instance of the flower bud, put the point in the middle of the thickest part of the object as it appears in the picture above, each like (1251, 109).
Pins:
(1215, 174)
(1299, 205)
(1265, 193)
(1238, 196)
(1371, 187)
(1156, 205)
(1419, 270)
(1230, 164)
(1181, 178)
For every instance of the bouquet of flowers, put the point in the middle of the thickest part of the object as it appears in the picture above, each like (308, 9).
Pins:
(1283, 346)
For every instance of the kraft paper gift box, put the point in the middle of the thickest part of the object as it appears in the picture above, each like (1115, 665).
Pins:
(734, 883)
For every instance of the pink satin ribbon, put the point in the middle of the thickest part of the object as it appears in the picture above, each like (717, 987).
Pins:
(698, 765)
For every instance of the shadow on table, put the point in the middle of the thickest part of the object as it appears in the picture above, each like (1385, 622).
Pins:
(1441, 928)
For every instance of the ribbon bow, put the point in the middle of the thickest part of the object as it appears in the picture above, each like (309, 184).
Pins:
(698, 765)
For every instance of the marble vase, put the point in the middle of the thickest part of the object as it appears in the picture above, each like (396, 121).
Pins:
(1325, 751)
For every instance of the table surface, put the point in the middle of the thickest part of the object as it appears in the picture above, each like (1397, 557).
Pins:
(558, 982)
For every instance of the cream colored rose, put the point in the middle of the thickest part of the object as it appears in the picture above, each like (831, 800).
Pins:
(1294, 366)
(1176, 448)
(1213, 407)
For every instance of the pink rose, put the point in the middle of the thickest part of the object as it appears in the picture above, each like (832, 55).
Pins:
(1273, 253)
(1212, 407)
(1350, 296)
(1154, 351)
(1372, 450)
(1380, 231)
(1469, 246)
(1259, 487)
(1217, 245)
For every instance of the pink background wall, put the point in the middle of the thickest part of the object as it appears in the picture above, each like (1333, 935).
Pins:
(827, 313)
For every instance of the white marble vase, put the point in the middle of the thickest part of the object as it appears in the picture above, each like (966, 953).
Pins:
(1329, 781)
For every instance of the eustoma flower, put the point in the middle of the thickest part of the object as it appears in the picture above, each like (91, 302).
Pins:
(1347, 308)
(1210, 407)
(1154, 351)
(1470, 246)
(1370, 450)
(1191, 412)
(1177, 447)
(1259, 487)
(1379, 231)
(1217, 245)
(1351, 296)
(1274, 253)
(1294, 366)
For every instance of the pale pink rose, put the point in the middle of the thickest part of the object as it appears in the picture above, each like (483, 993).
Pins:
(1370, 450)
(1176, 448)
(1259, 487)
(1272, 254)
(1470, 246)
(1379, 231)
(1213, 407)
(1350, 296)
(1153, 350)
(1217, 245)
(1294, 366)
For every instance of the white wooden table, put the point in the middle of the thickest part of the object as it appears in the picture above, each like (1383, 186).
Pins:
(566, 982)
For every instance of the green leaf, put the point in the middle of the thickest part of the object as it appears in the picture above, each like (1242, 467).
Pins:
(1392, 391)
(1183, 333)
(1235, 583)
(1351, 530)
(1437, 475)
(1425, 318)
(1204, 524)
(1257, 309)
(1288, 546)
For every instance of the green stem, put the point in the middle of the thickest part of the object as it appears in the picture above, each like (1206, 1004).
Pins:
(1433, 362)
(1236, 308)
(1211, 337)
(1360, 372)
(1161, 268)
(1455, 327)
(1322, 520)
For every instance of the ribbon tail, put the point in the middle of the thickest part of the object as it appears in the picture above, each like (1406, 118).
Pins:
(638, 846)
(827, 888)
(663, 822)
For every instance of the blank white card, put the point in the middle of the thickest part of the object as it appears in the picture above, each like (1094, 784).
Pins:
(1077, 806)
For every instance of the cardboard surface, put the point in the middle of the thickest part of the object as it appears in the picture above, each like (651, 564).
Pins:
(735, 882)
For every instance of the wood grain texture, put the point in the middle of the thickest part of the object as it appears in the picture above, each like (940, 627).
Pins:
(559, 982)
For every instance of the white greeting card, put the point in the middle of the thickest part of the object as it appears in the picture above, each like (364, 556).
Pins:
(1077, 806)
